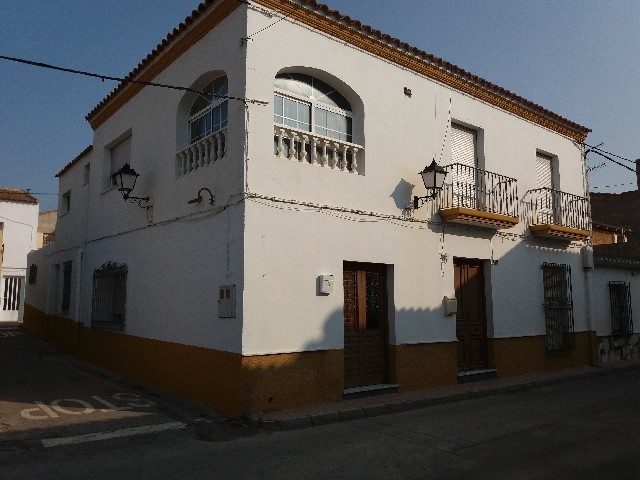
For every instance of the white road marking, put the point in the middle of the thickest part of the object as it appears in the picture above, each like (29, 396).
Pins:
(125, 432)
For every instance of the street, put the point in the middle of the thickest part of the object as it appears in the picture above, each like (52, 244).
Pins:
(61, 419)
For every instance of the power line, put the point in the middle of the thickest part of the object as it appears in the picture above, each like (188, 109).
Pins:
(596, 149)
(126, 80)
(612, 160)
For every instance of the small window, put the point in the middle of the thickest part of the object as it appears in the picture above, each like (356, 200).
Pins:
(87, 173)
(65, 202)
(33, 273)
(120, 154)
(109, 297)
(66, 287)
(558, 307)
(620, 302)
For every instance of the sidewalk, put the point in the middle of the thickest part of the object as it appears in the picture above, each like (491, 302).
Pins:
(356, 408)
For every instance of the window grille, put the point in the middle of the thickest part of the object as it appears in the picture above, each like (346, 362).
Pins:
(620, 300)
(12, 292)
(558, 307)
(109, 297)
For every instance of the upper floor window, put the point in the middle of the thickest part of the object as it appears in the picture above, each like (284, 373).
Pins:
(209, 112)
(120, 155)
(307, 103)
(65, 202)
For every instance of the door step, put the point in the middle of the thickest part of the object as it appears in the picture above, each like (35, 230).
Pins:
(369, 391)
(477, 375)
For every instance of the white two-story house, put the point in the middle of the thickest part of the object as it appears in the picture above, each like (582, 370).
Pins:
(271, 253)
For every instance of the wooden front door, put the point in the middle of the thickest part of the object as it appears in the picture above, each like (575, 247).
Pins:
(471, 324)
(365, 324)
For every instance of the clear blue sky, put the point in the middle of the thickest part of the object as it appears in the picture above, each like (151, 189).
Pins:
(578, 58)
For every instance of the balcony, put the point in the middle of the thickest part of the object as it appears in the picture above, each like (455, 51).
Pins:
(202, 153)
(557, 215)
(476, 197)
(313, 149)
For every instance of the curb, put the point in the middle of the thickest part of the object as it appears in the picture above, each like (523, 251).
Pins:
(349, 412)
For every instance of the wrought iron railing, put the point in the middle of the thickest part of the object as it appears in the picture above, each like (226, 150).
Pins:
(48, 239)
(477, 189)
(553, 207)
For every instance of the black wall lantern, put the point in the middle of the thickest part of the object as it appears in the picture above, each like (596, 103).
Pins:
(126, 179)
(433, 178)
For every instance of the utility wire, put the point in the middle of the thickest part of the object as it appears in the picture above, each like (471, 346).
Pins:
(612, 160)
(126, 80)
(596, 150)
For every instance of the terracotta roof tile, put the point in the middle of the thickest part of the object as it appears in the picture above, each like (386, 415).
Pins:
(358, 26)
(17, 195)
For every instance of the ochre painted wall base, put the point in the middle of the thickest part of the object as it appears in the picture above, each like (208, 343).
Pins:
(424, 365)
(238, 385)
(517, 356)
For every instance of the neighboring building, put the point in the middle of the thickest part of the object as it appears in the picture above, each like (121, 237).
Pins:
(278, 260)
(616, 250)
(46, 228)
(18, 224)
(618, 210)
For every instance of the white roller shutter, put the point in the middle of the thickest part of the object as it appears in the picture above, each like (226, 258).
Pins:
(120, 154)
(463, 145)
(463, 151)
(544, 176)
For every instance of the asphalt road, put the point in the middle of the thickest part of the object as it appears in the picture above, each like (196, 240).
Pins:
(582, 429)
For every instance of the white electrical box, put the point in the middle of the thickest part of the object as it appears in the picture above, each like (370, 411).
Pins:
(326, 284)
(450, 306)
(227, 301)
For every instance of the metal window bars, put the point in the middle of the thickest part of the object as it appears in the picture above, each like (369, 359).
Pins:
(109, 297)
(620, 302)
(558, 307)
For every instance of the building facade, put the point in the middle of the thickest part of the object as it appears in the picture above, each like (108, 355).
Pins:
(18, 227)
(274, 256)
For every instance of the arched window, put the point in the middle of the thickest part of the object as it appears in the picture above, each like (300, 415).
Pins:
(209, 113)
(305, 103)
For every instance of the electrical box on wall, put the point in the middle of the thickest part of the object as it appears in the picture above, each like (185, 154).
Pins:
(450, 306)
(227, 301)
(326, 284)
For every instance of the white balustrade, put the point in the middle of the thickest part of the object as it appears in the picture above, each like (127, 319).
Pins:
(202, 153)
(307, 147)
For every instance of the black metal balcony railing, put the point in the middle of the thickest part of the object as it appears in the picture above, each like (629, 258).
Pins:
(477, 189)
(48, 238)
(553, 207)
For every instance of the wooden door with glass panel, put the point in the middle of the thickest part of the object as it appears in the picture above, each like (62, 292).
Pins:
(365, 324)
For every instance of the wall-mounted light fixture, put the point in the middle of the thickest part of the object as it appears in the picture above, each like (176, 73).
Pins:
(198, 199)
(433, 178)
(126, 181)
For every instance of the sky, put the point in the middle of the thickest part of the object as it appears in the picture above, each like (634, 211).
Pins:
(577, 58)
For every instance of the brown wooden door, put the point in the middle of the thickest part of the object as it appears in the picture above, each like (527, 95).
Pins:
(365, 324)
(471, 325)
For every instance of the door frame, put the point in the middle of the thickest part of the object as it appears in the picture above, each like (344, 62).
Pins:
(482, 264)
(383, 269)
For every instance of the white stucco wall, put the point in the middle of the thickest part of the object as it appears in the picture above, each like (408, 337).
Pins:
(288, 246)
(19, 236)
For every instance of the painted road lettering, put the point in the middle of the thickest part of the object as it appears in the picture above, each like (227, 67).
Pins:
(82, 407)
(10, 334)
